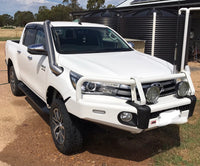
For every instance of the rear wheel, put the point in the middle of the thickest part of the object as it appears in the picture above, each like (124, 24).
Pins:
(65, 129)
(14, 82)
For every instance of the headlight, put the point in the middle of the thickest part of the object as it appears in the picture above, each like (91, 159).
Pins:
(182, 88)
(94, 87)
(97, 88)
(152, 94)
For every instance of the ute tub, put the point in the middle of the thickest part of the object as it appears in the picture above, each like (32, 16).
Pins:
(106, 109)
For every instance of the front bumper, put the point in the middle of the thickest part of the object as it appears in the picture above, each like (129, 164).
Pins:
(145, 117)
(106, 109)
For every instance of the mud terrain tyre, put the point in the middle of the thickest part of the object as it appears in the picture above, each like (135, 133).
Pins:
(65, 129)
(14, 83)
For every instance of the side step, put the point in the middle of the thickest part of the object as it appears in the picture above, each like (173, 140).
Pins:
(33, 97)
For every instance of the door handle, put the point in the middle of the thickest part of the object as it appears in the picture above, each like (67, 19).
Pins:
(18, 51)
(29, 57)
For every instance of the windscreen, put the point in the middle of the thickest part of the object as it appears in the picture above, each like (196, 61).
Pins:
(73, 40)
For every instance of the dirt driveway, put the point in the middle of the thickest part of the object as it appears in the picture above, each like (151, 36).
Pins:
(25, 138)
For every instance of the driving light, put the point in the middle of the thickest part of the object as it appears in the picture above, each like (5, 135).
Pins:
(152, 94)
(126, 116)
(182, 88)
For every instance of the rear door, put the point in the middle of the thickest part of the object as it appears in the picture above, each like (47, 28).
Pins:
(34, 66)
(24, 63)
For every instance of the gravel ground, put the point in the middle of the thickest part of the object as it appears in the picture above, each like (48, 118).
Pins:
(25, 137)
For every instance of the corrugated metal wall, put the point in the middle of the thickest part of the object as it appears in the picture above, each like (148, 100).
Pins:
(138, 25)
(107, 18)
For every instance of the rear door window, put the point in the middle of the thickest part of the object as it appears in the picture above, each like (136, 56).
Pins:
(29, 37)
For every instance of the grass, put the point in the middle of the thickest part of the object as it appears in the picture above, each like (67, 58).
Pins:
(7, 34)
(8, 27)
(9, 38)
(188, 153)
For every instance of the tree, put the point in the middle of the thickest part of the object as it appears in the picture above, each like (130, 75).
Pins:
(1, 21)
(22, 18)
(73, 4)
(27, 17)
(95, 4)
(6, 19)
(60, 13)
(18, 18)
(110, 6)
(43, 14)
(65, 1)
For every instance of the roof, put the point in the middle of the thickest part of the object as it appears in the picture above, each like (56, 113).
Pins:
(68, 24)
(125, 3)
(145, 2)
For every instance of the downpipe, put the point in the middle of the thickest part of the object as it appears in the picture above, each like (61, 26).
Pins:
(185, 38)
(50, 49)
(153, 34)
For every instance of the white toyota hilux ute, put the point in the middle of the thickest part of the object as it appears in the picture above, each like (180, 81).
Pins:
(82, 71)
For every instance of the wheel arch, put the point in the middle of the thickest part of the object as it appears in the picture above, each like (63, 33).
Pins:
(51, 94)
(10, 63)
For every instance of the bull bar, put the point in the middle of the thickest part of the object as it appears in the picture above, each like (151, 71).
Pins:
(135, 82)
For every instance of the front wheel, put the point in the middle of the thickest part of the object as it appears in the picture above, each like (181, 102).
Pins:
(65, 129)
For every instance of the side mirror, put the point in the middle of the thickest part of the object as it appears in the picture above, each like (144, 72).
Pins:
(37, 49)
(132, 45)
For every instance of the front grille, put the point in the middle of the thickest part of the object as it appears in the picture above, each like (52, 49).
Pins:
(169, 87)
(124, 91)
(166, 87)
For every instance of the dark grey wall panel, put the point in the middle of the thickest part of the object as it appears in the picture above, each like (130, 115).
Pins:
(138, 25)
(109, 21)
